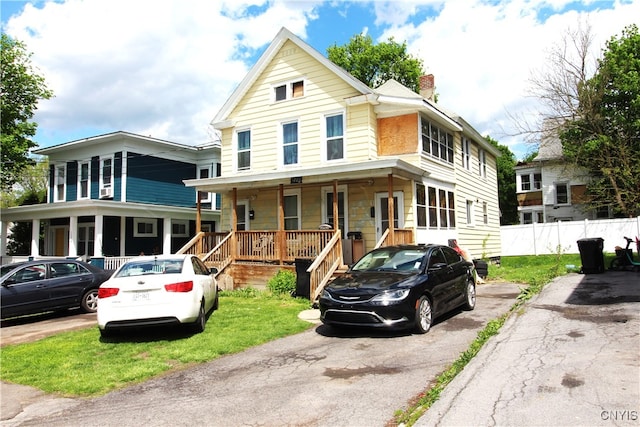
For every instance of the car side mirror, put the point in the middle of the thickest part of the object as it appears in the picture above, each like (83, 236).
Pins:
(438, 266)
(213, 271)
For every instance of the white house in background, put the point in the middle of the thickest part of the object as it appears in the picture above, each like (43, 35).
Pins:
(549, 189)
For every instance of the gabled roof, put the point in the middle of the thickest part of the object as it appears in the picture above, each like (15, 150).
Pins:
(281, 38)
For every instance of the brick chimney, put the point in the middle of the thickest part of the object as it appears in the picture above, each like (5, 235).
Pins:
(427, 86)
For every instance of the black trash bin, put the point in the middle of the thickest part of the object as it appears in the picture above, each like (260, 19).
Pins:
(591, 255)
(303, 279)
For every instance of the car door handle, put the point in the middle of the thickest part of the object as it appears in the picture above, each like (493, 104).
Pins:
(41, 286)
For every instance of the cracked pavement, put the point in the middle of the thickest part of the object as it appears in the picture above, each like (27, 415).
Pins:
(571, 358)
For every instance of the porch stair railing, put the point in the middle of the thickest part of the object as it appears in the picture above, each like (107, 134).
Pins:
(326, 263)
(401, 236)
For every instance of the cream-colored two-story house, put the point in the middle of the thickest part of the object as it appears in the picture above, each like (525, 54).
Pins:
(316, 165)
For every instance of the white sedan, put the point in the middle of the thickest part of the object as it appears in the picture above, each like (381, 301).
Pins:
(158, 290)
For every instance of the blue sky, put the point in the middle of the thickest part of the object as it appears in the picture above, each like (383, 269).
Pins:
(165, 67)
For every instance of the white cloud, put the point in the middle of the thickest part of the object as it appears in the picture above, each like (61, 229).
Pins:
(483, 54)
(165, 67)
(159, 68)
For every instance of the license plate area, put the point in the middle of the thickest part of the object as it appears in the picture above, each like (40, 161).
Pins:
(139, 296)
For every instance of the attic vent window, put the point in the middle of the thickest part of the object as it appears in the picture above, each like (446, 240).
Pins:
(288, 91)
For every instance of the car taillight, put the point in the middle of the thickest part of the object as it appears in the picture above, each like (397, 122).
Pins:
(107, 292)
(179, 287)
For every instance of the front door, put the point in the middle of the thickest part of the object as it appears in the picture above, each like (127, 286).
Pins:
(60, 240)
(382, 212)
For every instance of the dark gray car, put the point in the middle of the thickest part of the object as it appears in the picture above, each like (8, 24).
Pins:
(44, 285)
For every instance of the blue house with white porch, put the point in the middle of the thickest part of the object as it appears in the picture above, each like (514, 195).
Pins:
(119, 195)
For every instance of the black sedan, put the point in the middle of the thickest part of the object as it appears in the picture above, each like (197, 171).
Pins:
(45, 285)
(399, 287)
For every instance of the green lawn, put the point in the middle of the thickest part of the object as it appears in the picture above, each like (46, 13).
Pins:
(78, 363)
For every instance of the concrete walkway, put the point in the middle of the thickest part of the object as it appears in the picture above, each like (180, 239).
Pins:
(570, 358)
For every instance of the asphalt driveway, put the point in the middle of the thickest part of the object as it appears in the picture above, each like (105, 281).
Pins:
(319, 377)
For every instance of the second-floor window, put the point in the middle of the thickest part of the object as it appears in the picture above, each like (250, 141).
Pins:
(562, 193)
(466, 153)
(83, 181)
(437, 142)
(204, 173)
(106, 173)
(60, 183)
(244, 150)
(290, 143)
(530, 182)
(482, 163)
(335, 136)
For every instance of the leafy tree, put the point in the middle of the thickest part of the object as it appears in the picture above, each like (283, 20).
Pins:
(375, 64)
(506, 184)
(21, 87)
(604, 138)
(30, 188)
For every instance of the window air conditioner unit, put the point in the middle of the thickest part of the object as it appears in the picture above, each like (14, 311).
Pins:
(105, 193)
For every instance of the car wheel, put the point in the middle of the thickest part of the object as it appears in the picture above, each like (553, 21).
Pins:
(470, 295)
(424, 315)
(89, 302)
(199, 324)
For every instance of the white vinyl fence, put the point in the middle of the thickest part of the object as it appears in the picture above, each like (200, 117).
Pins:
(549, 238)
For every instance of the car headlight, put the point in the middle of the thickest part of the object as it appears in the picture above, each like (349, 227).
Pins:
(325, 294)
(388, 298)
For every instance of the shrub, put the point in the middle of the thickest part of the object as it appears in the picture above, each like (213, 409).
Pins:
(284, 282)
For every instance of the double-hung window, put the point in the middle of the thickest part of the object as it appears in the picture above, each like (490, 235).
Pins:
(106, 173)
(83, 181)
(290, 143)
(244, 150)
(562, 193)
(482, 163)
(60, 183)
(334, 128)
(435, 207)
(466, 153)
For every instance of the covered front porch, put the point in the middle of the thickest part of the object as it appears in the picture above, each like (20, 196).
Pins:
(328, 216)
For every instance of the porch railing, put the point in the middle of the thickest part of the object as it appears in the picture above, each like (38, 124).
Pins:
(326, 263)
(401, 236)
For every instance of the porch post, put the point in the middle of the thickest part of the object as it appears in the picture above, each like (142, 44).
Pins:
(336, 223)
(166, 242)
(391, 209)
(97, 239)
(4, 225)
(198, 214)
(282, 237)
(234, 223)
(199, 220)
(35, 237)
(73, 236)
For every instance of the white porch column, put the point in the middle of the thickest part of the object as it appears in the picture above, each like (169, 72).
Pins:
(73, 236)
(35, 237)
(97, 238)
(166, 241)
(4, 232)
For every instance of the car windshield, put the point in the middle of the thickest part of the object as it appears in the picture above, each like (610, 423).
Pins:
(391, 259)
(157, 266)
